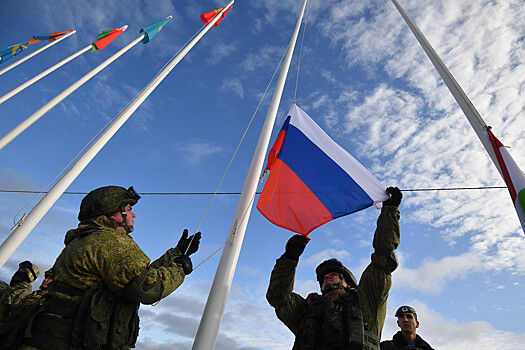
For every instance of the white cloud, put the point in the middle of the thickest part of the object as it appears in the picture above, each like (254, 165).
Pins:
(432, 275)
(234, 85)
(318, 258)
(220, 51)
(195, 152)
(266, 57)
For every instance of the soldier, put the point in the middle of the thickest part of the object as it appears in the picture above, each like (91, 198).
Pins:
(13, 326)
(347, 315)
(19, 287)
(406, 338)
(102, 276)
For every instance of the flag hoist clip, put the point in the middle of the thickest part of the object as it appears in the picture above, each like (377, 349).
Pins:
(234, 230)
(20, 222)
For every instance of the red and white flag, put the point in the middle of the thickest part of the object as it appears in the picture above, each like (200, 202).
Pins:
(514, 177)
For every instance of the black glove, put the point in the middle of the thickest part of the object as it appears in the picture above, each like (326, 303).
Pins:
(395, 197)
(184, 261)
(295, 247)
(189, 244)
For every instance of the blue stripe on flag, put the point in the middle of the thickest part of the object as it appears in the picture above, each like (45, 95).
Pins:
(338, 192)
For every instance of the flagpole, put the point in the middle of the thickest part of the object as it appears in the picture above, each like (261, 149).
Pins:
(25, 225)
(474, 118)
(6, 69)
(43, 74)
(211, 319)
(11, 135)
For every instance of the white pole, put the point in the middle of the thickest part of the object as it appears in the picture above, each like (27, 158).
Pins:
(11, 135)
(478, 124)
(41, 75)
(31, 220)
(211, 318)
(6, 69)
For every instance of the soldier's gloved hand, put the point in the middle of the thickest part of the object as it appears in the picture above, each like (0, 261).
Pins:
(395, 197)
(189, 245)
(295, 247)
(184, 261)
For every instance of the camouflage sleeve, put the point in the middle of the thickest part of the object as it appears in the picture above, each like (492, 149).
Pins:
(376, 280)
(166, 259)
(19, 291)
(289, 307)
(121, 259)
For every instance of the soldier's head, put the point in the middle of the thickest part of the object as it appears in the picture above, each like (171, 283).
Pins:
(114, 202)
(333, 275)
(27, 272)
(407, 319)
(48, 278)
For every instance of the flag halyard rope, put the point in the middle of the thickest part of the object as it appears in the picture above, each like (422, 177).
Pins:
(300, 54)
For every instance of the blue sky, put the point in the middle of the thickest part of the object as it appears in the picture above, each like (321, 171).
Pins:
(366, 82)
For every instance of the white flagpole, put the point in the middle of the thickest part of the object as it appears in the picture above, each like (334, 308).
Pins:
(211, 319)
(25, 225)
(17, 130)
(6, 69)
(478, 124)
(43, 74)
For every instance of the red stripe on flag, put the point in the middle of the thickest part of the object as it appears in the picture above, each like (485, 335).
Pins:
(276, 148)
(105, 41)
(60, 33)
(209, 16)
(496, 144)
(284, 190)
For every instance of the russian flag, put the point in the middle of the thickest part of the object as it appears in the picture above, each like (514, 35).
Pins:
(312, 179)
(512, 174)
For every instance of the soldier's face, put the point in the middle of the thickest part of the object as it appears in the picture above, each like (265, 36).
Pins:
(407, 322)
(130, 217)
(333, 278)
(44, 284)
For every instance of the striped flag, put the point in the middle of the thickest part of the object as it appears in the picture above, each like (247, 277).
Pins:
(209, 16)
(48, 37)
(312, 179)
(106, 37)
(512, 174)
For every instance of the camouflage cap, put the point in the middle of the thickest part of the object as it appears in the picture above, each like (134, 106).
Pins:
(106, 201)
(49, 273)
(405, 309)
(334, 265)
(30, 269)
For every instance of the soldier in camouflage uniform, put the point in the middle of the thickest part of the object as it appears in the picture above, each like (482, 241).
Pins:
(19, 287)
(406, 338)
(12, 328)
(102, 276)
(347, 316)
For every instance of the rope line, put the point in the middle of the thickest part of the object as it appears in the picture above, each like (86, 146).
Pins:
(236, 150)
(238, 193)
(300, 54)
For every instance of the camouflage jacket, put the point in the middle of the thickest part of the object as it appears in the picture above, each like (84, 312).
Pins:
(97, 254)
(399, 342)
(372, 291)
(12, 295)
(86, 306)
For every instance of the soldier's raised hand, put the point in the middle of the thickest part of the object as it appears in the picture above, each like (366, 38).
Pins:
(295, 247)
(184, 261)
(189, 245)
(395, 197)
